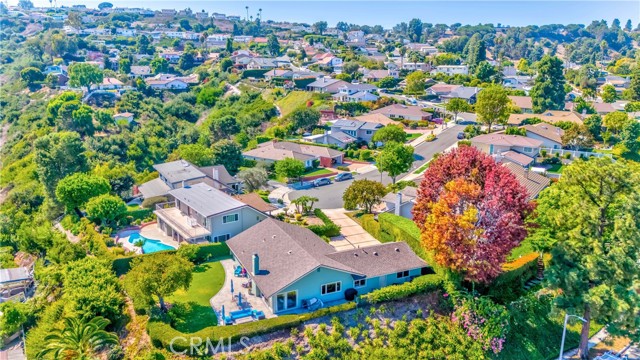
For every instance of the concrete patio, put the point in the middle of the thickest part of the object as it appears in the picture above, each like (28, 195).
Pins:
(353, 236)
(152, 231)
(224, 297)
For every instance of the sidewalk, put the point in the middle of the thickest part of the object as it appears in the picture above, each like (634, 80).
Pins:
(413, 176)
(419, 140)
(353, 236)
(593, 341)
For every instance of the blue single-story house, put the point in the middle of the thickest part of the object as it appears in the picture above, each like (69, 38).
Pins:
(289, 265)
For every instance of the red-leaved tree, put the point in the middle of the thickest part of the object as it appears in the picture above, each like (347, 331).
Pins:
(471, 212)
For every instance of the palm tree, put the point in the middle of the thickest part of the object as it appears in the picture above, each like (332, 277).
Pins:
(78, 340)
(247, 8)
(260, 13)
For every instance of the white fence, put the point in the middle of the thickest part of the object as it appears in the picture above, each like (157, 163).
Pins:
(574, 153)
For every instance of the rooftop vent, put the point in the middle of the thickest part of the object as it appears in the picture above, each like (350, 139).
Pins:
(289, 252)
(397, 250)
(375, 253)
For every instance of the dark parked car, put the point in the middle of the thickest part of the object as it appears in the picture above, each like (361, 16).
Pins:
(321, 182)
(343, 176)
(461, 135)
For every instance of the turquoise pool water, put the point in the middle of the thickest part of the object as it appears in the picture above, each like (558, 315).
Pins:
(149, 246)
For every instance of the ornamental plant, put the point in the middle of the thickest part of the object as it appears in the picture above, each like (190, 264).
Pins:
(484, 321)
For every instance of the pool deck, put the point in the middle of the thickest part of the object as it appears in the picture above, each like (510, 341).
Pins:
(224, 297)
(149, 231)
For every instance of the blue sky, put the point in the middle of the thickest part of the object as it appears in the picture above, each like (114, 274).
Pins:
(389, 13)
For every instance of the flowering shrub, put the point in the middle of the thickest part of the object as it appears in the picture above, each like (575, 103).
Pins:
(484, 321)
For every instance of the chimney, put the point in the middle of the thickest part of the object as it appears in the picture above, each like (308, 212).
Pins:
(216, 176)
(256, 264)
(398, 202)
(256, 270)
(526, 173)
(184, 183)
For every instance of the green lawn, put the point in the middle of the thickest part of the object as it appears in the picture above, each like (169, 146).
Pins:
(555, 169)
(422, 168)
(318, 171)
(413, 136)
(524, 249)
(292, 101)
(208, 279)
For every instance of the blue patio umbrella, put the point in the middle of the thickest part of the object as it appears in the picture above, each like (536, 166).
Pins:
(231, 286)
(239, 299)
(222, 313)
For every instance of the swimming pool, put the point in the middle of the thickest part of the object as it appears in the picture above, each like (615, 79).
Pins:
(150, 245)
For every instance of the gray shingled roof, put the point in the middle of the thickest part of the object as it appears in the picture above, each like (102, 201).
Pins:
(204, 199)
(180, 170)
(532, 181)
(153, 188)
(223, 175)
(289, 252)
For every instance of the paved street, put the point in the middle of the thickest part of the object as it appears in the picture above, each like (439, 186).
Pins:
(330, 196)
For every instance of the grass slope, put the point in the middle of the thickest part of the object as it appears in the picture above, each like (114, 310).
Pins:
(292, 101)
(208, 279)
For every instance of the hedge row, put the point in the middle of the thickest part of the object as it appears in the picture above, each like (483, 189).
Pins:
(256, 73)
(329, 229)
(390, 227)
(205, 252)
(419, 285)
(162, 334)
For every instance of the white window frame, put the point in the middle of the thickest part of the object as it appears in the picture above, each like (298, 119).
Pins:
(369, 132)
(528, 149)
(359, 283)
(286, 297)
(323, 288)
(236, 216)
(402, 274)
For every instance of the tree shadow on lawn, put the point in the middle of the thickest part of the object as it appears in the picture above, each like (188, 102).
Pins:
(192, 317)
(201, 268)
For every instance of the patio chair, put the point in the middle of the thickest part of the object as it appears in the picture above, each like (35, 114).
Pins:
(238, 271)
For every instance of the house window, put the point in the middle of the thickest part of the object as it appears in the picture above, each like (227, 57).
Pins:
(288, 300)
(229, 218)
(528, 149)
(221, 238)
(359, 283)
(369, 132)
(331, 288)
(402, 274)
(350, 132)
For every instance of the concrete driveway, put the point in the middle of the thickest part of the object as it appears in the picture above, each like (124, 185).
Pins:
(353, 236)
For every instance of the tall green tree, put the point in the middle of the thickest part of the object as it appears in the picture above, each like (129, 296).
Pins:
(548, 90)
(290, 168)
(76, 189)
(124, 65)
(415, 83)
(395, 159)
(475, 51)
(197, 154)
(492, 106)
(79, 339)
(364, 194)
(31, 75)
(389, 133)
(58, 155)
(304, 118)
(456, 106)
(253, 178)
(592, 216)
(159, 65)
(222, 127)
(158, 276)
(415, 29)
(634, 87)
(84, 75)
(320, 27)
(273, 45)
(229, 154)
(609, 94)
(106, 208)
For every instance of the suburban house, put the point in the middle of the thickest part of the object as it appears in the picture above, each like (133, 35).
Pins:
(377, 75)
(519, 82)
(524, 103)
(177, 174)
(402, 202)
(201, 213)
(549, 116)
(171, 56)
(533, 182)
(273, 151)
(405, 112)
(441, 89)
(109, 83)
(517, 149)
(289, 265)
(451, 70)
(378, 119)
(344, 132)
(140, 71)
(618, 82)
(469, 94)
(356, 93)
(327, 85)
(171, 82)
(328, 59)
(551, 136)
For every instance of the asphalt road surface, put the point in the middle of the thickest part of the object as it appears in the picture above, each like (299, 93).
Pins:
(330, 196)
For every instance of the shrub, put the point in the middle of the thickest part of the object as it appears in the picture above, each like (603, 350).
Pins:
(162, 334)
(150, 203)
(370, 225)
(567, 156)
(329, 229)
(419, 285)
(543, 153)
(342, 168)
(508, 286)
